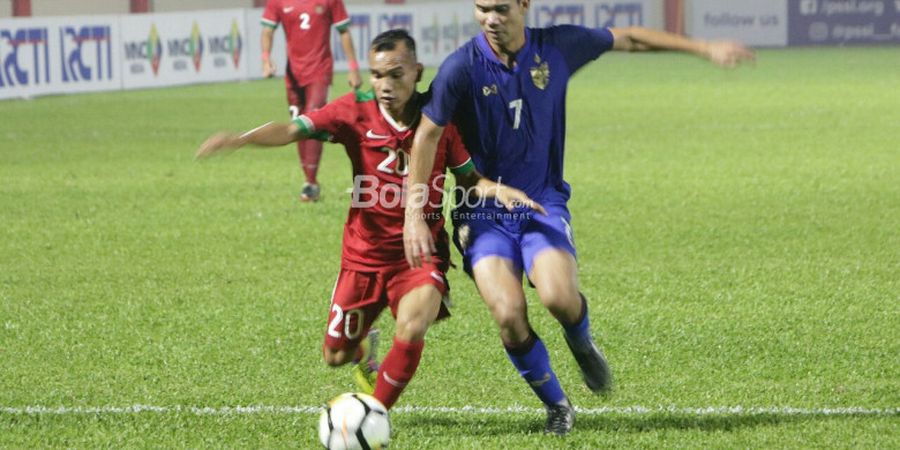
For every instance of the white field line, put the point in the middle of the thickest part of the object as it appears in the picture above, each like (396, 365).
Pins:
(612, 410)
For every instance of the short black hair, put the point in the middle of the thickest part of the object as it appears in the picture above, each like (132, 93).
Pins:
(387, 41)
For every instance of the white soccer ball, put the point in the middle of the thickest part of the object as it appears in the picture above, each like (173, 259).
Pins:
(354, 421)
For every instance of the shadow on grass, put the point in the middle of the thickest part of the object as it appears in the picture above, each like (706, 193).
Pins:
(494, 425)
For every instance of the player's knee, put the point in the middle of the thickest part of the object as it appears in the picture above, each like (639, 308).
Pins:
(412, 329)
(560, 298)
(510, 317)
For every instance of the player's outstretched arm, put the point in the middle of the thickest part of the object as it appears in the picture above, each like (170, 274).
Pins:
(510, 197)
(722, 53)
(268, 135)
(417, 241)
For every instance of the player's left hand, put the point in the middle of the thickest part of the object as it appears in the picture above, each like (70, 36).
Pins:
(218, 143)
(353, 79)
(729, 53)
(513, 198)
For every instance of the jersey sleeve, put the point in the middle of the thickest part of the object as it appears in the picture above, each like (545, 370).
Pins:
(580, 45)
(271, 15)
(448, 88)
(339, 17)
(331, 121)
(458, 160)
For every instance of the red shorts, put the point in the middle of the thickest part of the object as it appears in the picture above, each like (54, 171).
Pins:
(305, 98)
(359, 297)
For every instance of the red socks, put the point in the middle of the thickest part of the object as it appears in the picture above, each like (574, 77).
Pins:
(396, 370)
(310, 151)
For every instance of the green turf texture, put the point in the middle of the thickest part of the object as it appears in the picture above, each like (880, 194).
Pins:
(738, 236)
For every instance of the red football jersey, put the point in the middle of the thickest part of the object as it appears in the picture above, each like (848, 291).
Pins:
(379, 152)
(307, 27)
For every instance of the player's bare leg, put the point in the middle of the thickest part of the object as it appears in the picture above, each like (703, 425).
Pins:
(554, 275)
(416, 311)
(500, 283)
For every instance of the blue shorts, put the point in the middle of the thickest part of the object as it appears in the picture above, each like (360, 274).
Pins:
(518, 236)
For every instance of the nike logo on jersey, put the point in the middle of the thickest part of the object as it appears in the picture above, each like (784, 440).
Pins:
(288, 9)
(371, 135)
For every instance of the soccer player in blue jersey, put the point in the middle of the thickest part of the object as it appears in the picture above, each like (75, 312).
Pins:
(505, 90)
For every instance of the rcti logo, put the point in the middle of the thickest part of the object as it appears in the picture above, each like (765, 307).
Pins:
(86, 53)
(191, 47)
(150, 50)
(230, 45)
(29, 67)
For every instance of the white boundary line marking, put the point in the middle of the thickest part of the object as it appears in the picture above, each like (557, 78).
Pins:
(611, 410)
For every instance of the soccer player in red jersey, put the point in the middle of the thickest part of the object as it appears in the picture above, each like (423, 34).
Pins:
(307, 28)
(376, 129)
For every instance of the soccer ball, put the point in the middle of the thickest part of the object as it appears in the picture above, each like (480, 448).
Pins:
(354, 421)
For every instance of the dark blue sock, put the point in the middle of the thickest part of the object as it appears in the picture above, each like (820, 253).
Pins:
(533, 363)
(580, 331)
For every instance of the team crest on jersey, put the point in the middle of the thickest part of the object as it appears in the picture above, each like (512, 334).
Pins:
(320, 9)
(540, 74)
(488, 90)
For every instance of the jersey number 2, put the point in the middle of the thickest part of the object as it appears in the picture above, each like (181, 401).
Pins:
(304, 21)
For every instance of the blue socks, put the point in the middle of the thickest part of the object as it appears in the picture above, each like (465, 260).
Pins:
(580, 331)
(533, 363)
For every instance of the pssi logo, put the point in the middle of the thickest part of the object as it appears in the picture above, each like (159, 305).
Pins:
(190, 47)
(150, 50)
(86, 53)
(32, 64)
(230, 44)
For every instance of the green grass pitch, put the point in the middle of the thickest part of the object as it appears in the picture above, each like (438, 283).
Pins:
(738, 235)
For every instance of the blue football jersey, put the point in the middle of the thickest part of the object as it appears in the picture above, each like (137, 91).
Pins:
(513, 121)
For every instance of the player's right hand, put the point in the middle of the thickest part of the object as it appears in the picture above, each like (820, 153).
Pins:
(513, 198)
(268, 69)
(729, 54)
(218, 143)
(417, 241)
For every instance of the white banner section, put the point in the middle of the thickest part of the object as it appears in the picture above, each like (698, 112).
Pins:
(59, 55)
(53, 55)
(757, 23)
(440, 28)
(183, 48)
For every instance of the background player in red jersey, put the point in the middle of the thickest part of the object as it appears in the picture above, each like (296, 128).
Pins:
(376, 130)
(307, 28)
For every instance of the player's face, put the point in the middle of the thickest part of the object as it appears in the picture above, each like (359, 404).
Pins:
(394, 76)
(503, 21)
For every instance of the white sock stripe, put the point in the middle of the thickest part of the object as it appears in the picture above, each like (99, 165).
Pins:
(394, 382)
(608, 410)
